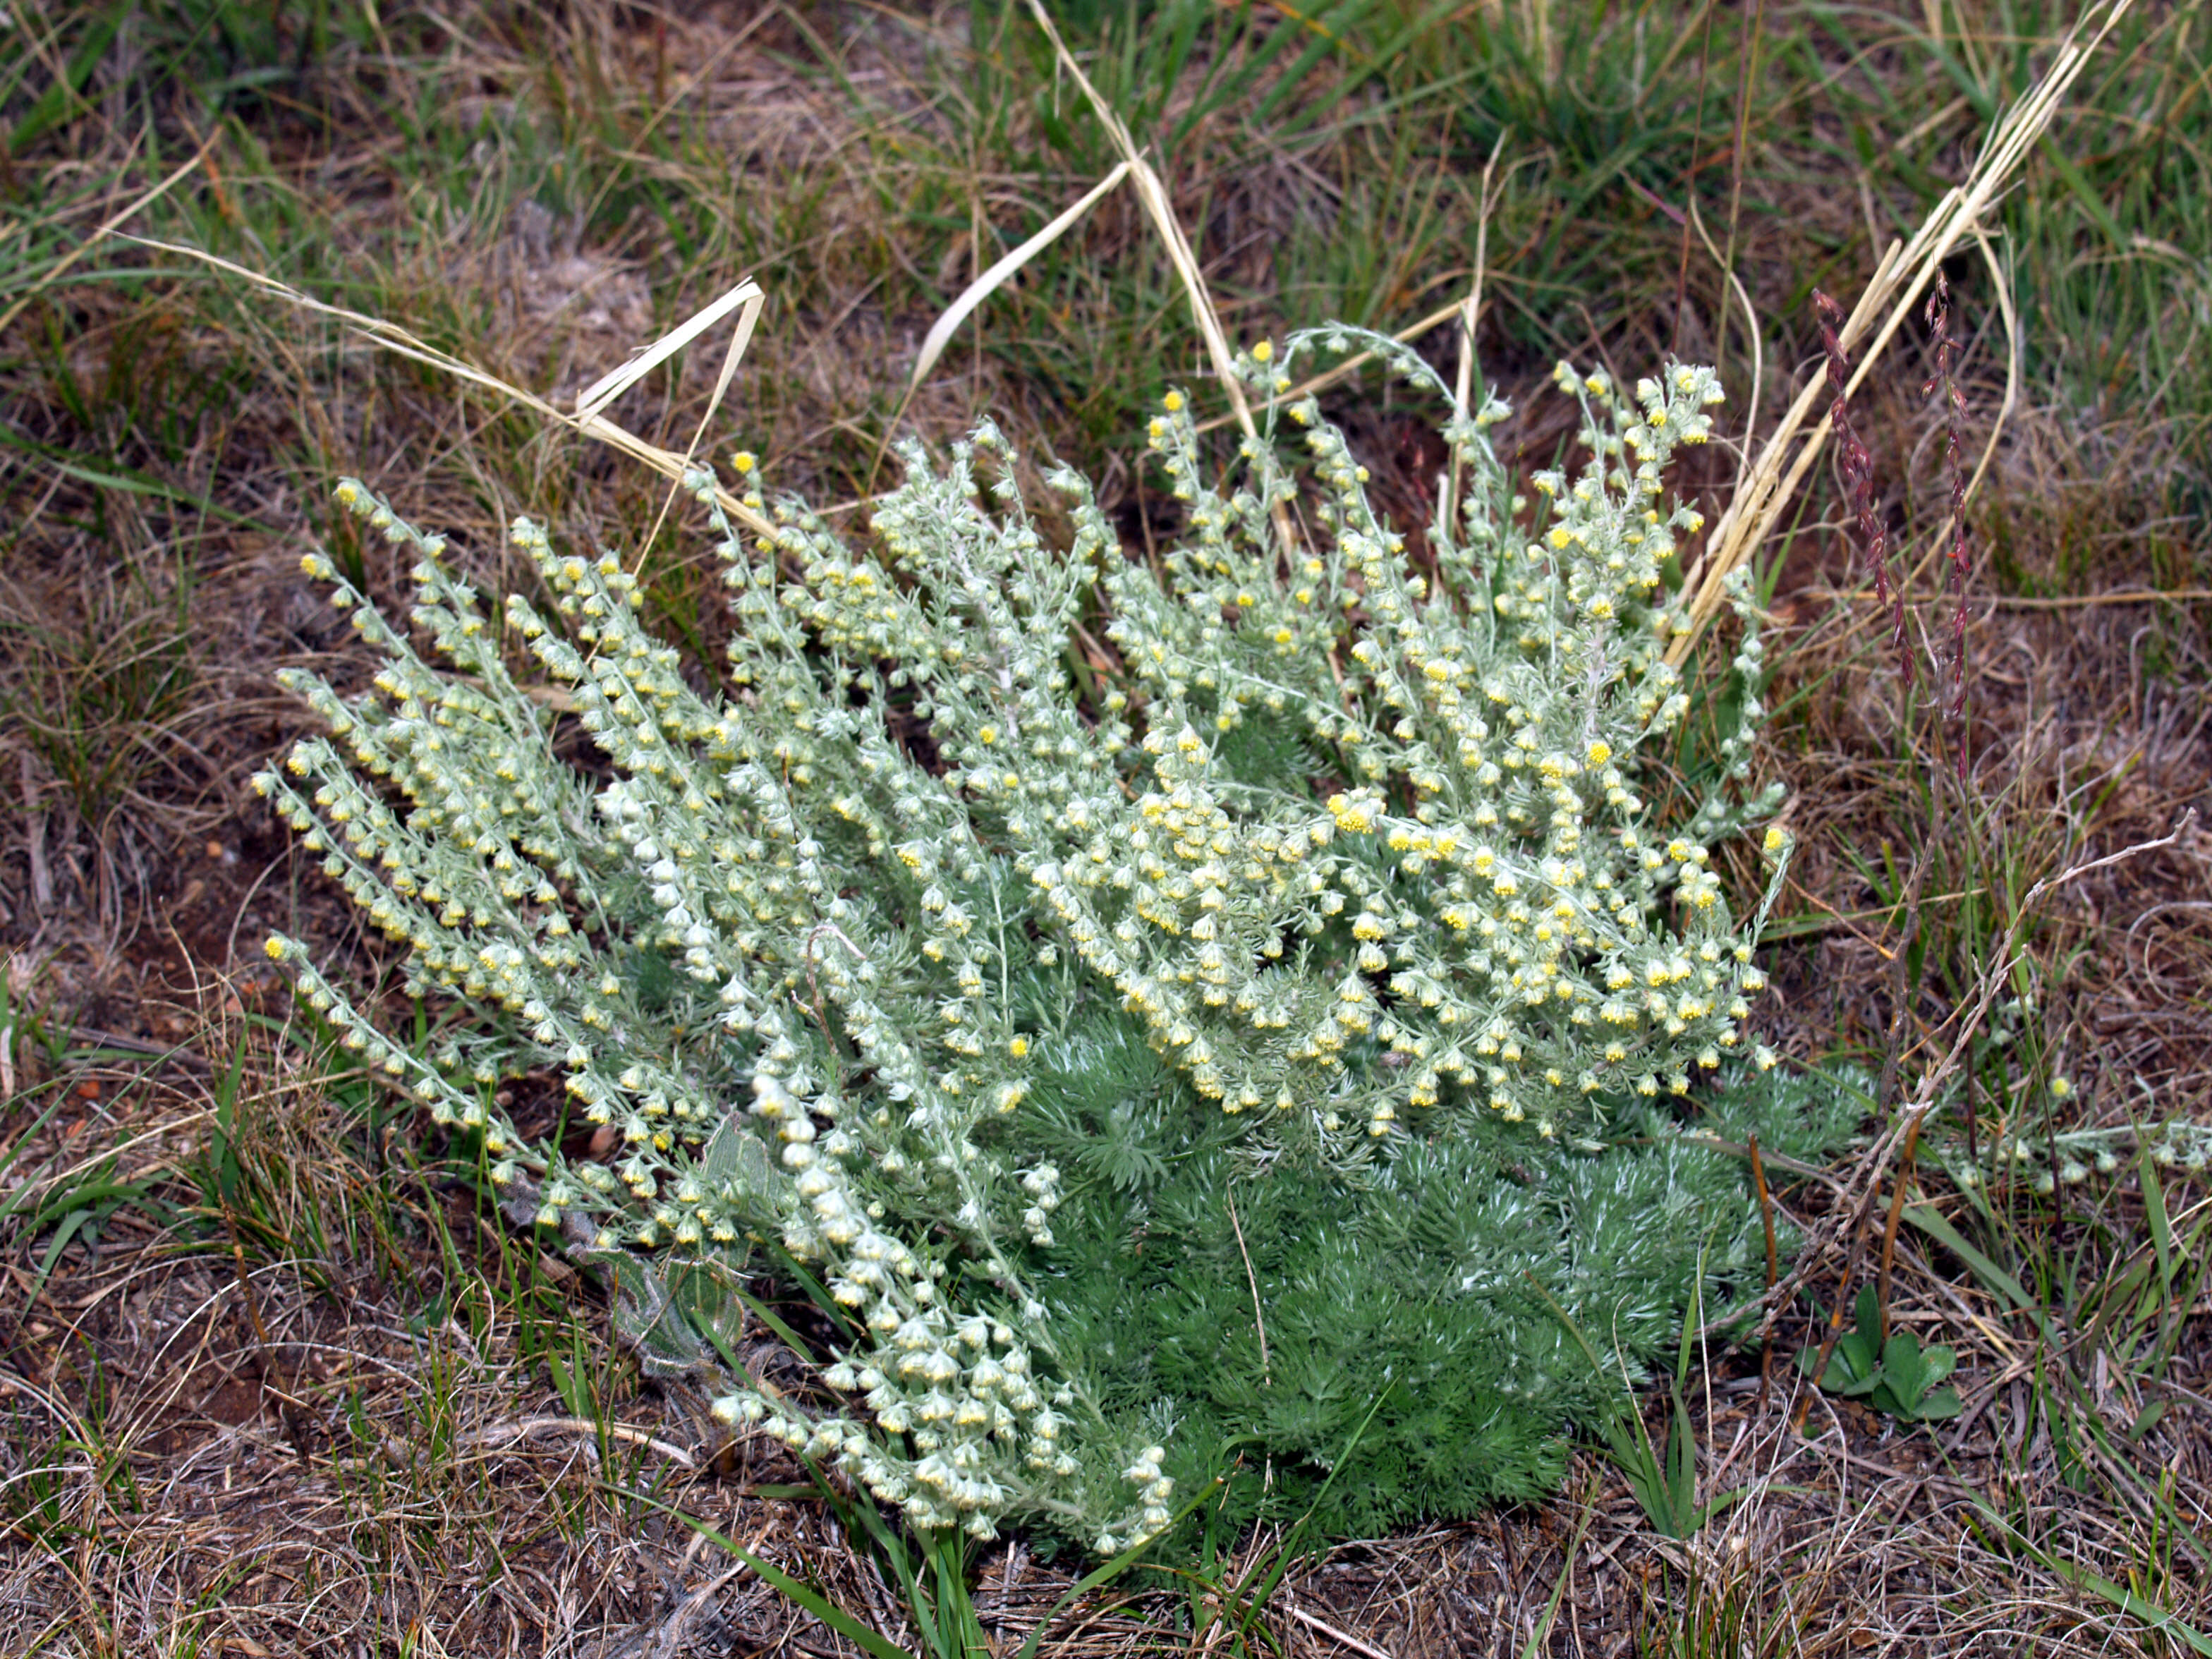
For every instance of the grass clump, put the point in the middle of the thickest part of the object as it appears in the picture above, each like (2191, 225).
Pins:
(969, 971)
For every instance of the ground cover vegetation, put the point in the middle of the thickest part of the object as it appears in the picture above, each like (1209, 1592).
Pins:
(264, 1302)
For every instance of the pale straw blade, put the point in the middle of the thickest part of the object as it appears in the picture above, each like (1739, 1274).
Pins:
(1756, 507)
(749, 300)
(398, 340)
(940, 335)
(1154, 196)
(604, 390)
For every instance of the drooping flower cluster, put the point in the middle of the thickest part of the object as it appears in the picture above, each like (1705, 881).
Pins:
(1362, 847)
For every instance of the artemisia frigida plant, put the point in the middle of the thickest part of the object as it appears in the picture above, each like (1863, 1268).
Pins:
(1209, 1015)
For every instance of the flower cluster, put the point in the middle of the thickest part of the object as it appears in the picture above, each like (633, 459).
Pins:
(1362, 848)
(1485, 846)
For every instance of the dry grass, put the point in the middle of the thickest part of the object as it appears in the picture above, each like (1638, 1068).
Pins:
(272, 1447)
(281, 1388)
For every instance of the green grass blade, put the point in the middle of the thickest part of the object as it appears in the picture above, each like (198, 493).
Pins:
(1994, 1277)
(52, 108)
(9, 1201)
(2154, 1215)
(2136, 1606)
(1287, 1551)
(801, 1595)
(1113, 1568)
(1682, 1470)
(130, 482)
(68, 1229)
(1540, 1637)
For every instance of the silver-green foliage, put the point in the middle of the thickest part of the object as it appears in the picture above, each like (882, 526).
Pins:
(1362, 850)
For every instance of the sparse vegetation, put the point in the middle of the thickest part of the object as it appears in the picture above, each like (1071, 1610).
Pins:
(257, 1315)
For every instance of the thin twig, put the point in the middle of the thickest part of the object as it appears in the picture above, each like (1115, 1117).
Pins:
(1252, 1279)
(1856, 466)
(2002, 288)
(1463, 387)
(171, 1054)
(500, 1434)
(1944, 382)
(1901, 963)
(1850, 596)
(1334, 1634)
(2122, 596)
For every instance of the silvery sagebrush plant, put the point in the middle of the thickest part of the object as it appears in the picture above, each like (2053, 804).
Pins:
(1335, 868)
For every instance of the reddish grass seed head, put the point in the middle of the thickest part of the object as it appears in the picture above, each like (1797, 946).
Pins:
(1856, 466)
